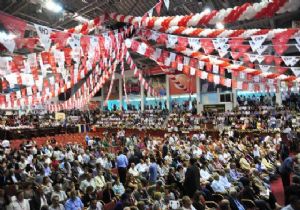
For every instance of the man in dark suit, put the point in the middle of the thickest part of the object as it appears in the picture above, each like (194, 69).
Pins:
(286, 168)
(192, 178)
(39, 199)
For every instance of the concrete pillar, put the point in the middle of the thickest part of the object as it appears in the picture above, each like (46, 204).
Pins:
(234, 98)
(101, 99)
(142, 98)
(198, 94)
(168, 99)
(278, 95)
(234, 95)
(121, 93)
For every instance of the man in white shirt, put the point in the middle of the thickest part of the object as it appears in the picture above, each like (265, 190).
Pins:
(142, 167)
(87, 182)
(20, 203)
(204, 174)
(60, 193)
(95, 205)
(132, 170)
(224, 180)
(55, 204)
(217, 185)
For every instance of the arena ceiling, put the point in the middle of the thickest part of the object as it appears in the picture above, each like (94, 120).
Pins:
(34, 11)
(76, 11)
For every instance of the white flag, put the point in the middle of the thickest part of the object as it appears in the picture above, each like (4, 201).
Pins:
(216, 79)
(204, 75)
(287, 60)
(227, 82)
(258, 40)
(44, 33)
(172, 56)
(192, 71)
(296, 71)
(142, 49)
(171, 41)
(260, 58)
(215, 69)
(201, 64)
(222, 53)
(298, 47)
(194, 43)
(180, 67)
(256, 78)
(167, 3)
(154, 35)
(150, 12)
(74, 41)
(8, 43)
(186, 60)
(239, 85)
(264, 68)
(297, 39)
(262, 49)
(295, 60)
(252, 57)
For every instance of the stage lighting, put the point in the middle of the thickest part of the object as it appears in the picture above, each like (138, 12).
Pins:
(53, 6)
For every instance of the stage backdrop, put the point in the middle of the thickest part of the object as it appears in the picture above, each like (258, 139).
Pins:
(132, 86)
(188, 82)
(158, 82)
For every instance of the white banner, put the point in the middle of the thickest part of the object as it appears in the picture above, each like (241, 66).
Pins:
(258, 40)
(44, 33)
(9, 43)
(194, 43)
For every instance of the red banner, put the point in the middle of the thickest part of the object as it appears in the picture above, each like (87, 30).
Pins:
(12, 24)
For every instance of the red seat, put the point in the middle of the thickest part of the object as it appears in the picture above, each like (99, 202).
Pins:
(109, 206)
(100, 195)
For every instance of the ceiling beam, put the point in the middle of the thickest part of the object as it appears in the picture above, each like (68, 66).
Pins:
(19, 8)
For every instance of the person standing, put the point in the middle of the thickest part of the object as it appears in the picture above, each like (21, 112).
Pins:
(122, 163)
(286, 168)
(165, 149)
(153, 171)
(192, 178)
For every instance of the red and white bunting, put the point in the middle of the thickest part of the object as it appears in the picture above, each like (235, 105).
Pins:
(246, 11)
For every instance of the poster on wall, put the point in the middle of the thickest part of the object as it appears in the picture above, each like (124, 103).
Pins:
(132, 86)
(182, 84)
(114, 91)
(158, 82)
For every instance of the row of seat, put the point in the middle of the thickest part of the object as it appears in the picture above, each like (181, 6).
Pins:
(61, 139)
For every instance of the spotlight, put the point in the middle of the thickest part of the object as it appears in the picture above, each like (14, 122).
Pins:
(207, 10)
(53, 6)
(39, 9)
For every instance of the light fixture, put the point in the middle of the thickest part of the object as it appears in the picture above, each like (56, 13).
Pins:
(220, 25)
(207, 10)
(53, 6)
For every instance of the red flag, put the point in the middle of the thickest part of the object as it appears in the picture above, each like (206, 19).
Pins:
(13, 24)
(158, 7)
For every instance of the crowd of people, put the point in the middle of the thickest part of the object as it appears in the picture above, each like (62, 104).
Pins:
(149, 119)
(174, 172)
